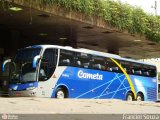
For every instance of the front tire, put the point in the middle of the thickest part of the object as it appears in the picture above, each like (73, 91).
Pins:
(60, 93)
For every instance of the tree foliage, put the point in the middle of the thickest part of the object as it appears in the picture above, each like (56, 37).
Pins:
(120, 15)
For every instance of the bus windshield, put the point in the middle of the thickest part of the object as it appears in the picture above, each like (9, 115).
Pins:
(27, 54)
(21, 69)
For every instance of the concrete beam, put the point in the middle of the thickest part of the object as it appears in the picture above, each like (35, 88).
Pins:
(60, 11)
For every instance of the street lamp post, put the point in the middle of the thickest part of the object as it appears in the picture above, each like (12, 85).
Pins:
(155, 7)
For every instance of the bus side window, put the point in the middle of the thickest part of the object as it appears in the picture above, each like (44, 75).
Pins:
(136, 69)
(78, 63)
(109, 64)
(146, 73)
(112, 67)
(152, 72)
(97, 66)
(126, 66)
(65, 62)
(138, 72)
(98, 63)
(109, 69)
(115, 68)
(66, 58)
(86, 65)
(83, 60)
(132, 70)
(149, 71)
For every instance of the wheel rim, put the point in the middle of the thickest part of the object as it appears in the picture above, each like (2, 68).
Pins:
(60, 94)
(139, 98)
(129, 98)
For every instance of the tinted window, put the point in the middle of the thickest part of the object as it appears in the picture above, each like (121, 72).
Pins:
(112, 66)
(66, 58)
(27, 54)
(98, 63)
(83, 60)
(126, 66)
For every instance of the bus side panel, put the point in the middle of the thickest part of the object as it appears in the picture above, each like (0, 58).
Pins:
(146, 85)
(75, 84)
(116, 87)
(87, 83)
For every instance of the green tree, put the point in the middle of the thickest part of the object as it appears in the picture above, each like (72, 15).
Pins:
(120, 15)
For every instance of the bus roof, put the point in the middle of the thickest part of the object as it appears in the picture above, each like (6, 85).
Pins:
(88, 51)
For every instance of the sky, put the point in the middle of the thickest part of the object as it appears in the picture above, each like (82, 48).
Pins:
(146, 5)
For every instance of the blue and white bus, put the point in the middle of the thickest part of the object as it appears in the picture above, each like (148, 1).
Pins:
(64, 72)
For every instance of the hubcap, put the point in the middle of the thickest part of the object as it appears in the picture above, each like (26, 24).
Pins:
(60, 95)
(129, 98)
(139, 98)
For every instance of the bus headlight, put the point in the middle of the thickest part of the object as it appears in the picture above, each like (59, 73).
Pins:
(30, 88)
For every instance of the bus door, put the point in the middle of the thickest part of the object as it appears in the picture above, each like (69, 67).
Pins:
(46, 78)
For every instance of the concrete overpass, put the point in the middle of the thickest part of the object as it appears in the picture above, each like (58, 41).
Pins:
(44, 24)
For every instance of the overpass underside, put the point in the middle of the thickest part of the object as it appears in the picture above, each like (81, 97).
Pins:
(44, 24)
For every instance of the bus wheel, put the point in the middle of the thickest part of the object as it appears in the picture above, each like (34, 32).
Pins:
(140, 97)
(60, 93)
(129, 97)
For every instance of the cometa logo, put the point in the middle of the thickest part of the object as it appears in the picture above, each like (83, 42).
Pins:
(84, 75)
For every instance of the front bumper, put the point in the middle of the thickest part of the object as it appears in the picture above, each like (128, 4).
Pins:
(24, 93)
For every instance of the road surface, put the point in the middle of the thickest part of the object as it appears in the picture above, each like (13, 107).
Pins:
(28, 108)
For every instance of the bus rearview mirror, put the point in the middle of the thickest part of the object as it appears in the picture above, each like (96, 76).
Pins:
(35, 60)
(4, 64)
